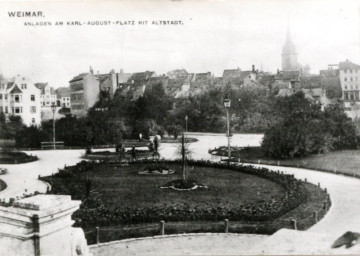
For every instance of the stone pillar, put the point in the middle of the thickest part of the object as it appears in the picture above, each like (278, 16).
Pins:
(41, 225)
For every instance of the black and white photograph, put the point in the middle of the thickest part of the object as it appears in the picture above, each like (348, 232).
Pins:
(179, 127)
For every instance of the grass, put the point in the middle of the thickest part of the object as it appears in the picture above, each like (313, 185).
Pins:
(302, 214)
(342, 161)
(122, 186)
(2, 185)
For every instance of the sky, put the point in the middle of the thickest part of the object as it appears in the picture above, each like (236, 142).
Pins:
(213, 36)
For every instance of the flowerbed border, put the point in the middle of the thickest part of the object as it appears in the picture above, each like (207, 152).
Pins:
(294, 196)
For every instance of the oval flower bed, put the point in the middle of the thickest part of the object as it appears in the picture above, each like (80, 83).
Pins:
(183, 185)
(156, 169)
(93, 212)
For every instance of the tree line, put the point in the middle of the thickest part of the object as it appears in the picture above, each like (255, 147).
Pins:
(292, 126)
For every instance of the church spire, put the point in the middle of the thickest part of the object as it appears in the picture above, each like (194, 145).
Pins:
(289, 55)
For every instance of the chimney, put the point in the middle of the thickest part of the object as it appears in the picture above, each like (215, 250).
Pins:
(253, 68)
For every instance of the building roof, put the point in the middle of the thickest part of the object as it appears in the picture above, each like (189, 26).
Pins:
(123, 77)
(286, 92)
(78, 77)
(202, 76)
(315, 92)
(175, 85)
(312, 81)
(177, 73)
(244, 74)
(348, 65)
(63, 92)
(288, 75)
(141, 76)
(9, 85)
(41, 86)
(16, 90)
(231, 73)
(102, 77)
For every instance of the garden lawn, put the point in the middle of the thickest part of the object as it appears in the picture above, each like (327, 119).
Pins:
(122, 186)
(343, 161)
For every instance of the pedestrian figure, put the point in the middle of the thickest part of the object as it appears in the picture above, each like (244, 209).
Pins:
(156, 144)
(133, 152)
(140, 137)
(151, 146)
(119, 148)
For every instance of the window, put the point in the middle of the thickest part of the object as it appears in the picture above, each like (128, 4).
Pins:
(23, 86)
(47, 103)
(17, 98)
(17, 110)
(6, 109)
(32, 109)
(33, 120)
(0, 96)
(350, 70)
(350, 78)
(345, 79)
(32, 97)
(5, 96)
(345, 87)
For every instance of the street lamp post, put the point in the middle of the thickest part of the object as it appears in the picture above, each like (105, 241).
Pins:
(186, 123)
(53, 108)
(227, 103)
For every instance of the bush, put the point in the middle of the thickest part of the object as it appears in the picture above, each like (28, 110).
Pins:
(303, 128)
(16, 158)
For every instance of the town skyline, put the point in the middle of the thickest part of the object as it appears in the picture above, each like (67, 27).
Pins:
(229, 35)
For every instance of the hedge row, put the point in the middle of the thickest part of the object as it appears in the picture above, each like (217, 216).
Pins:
(16, 158)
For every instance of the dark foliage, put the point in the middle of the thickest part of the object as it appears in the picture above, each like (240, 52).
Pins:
(303, 128)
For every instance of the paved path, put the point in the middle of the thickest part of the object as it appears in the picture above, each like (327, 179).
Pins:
(23, 178)
(343, 215)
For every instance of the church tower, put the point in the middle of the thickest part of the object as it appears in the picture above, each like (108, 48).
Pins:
(289, 55)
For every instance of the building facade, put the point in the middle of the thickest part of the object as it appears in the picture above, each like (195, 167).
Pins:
(20, 97)
(48, 95)
(84, 93)
(350, 80)
(63, 97)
